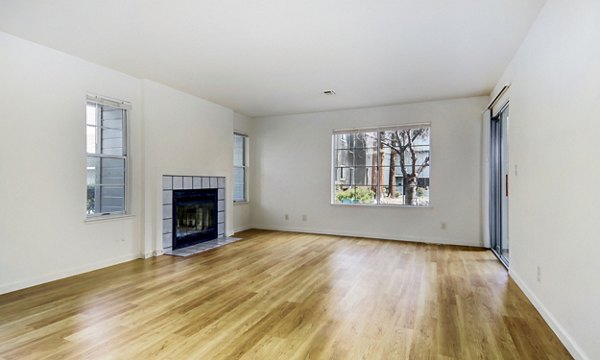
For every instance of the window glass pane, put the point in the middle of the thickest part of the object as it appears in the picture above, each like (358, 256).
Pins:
(365, 194)
(90, 114)
(390, 175)
(344, 158)
(391, 195)
(113, 198)
(91, 140)
(424, 174)
(92, 192)
(93, 170)
(344, 176)
(106, 137)
(355, 195)
(105, 185)
(340, 141)
(365, 140)
(345, 195)
(365, 157)
(422, 198)
(355, 140)
(105, 171)
(239, 184)
(112, 142)
(239, 149)
(365, 175)
(408, 149)
(112, 118)
(105, 199)
(113, 171)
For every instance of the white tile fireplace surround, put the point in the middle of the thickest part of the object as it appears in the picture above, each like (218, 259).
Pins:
(183, 182)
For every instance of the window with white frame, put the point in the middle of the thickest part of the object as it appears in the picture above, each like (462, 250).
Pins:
(382, 166)
(240, 167)
(106, 144)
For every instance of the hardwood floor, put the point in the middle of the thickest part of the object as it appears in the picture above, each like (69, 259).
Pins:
(281, 295)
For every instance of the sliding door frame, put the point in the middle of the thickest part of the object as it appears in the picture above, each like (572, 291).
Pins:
(498, 211)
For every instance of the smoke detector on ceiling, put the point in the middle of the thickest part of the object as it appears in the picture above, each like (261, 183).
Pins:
(329, 92)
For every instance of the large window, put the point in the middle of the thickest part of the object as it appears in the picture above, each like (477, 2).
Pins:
(106, 130)
(383, 166)
(240, 167)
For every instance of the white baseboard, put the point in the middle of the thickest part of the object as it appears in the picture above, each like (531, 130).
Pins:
(241, 228)
(22, 284)
(558, 329)
(371, 235)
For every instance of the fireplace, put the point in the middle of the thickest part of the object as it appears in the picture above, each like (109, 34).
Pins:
(195, 212)
(194, 216)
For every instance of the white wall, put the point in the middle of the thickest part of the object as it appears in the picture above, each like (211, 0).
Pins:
(43, 233)
(555, 198)
(242, 214)
(184, 135)
(291, 163)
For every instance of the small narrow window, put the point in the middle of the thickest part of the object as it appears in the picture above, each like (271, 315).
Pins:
(106, 143)
(240, 167)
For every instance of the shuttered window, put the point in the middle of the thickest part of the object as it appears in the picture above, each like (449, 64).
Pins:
(106, 145)
(240, 167)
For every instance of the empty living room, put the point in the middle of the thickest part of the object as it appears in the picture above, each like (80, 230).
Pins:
(280, 179)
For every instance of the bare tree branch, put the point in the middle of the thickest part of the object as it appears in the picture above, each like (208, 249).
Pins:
(423, 166)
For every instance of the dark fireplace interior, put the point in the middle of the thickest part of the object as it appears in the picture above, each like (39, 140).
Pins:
(194, 216)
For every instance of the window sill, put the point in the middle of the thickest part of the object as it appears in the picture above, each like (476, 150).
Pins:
(241, 202)
(102, 218)
(384, 206)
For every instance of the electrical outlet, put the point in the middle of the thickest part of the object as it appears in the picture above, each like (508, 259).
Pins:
(539, 274)
(443, 225)
(304, 217)
(286, 217)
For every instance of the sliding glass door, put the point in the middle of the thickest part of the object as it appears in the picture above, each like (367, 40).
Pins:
(499, 185)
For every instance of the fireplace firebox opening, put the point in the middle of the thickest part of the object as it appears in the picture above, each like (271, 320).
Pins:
(194, 216)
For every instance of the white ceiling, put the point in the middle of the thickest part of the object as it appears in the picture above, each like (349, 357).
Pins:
(266, 57)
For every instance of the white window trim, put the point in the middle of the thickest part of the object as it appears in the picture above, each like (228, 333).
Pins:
(126, 213)
(378, 129)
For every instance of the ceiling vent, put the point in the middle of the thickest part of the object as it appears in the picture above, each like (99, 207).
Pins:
(329, 92)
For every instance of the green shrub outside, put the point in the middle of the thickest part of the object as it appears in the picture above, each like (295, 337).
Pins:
(359, 195)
